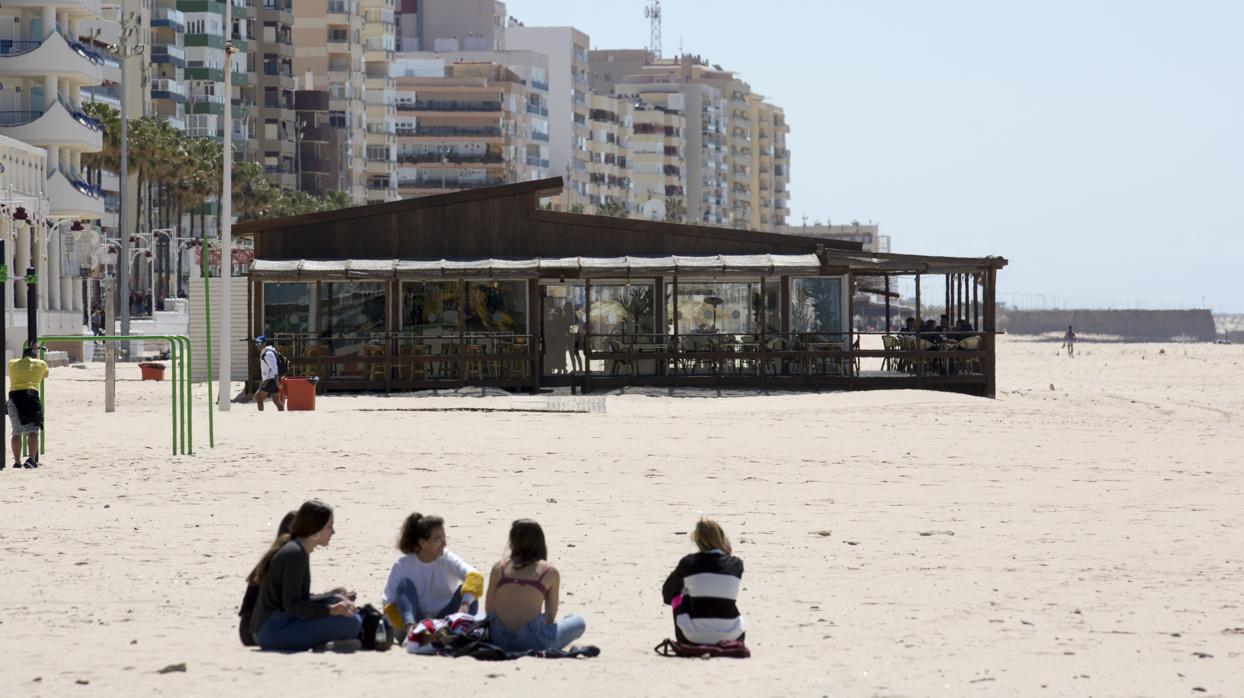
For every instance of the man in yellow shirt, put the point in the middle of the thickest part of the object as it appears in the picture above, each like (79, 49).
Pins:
(25, 410)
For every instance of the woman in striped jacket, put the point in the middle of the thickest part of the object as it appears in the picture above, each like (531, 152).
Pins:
(703, 589)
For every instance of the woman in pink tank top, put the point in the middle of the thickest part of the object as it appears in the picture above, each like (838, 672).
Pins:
(523, 594)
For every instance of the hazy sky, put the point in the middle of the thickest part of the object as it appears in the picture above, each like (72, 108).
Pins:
(1097, 144)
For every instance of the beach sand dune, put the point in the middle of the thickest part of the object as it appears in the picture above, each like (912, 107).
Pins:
(1080, 535)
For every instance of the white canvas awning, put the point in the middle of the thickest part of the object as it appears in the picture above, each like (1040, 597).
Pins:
(639, 267)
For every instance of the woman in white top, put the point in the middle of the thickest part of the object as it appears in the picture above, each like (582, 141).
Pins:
(428, 581)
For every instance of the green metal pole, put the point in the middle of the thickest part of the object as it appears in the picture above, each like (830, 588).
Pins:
(207, 323)
(176, 342)
(43, 356)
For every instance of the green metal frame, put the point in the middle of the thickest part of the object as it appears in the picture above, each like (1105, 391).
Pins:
(182, 359)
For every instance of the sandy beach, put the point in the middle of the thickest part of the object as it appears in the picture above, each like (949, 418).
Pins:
(1080, 535)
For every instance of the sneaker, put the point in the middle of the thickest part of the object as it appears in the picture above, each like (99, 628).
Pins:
(30, 464)
(341, 646)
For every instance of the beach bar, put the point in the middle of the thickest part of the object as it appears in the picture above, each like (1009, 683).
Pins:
(486, 287)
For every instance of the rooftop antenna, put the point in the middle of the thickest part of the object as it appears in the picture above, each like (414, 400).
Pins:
(653, 12)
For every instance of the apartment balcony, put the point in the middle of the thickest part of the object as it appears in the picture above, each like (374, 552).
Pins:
(455, 158)
(169, 18)
(444, 106)
(537, 109)
(163, 88)
(341, 10)
(537, 85)
(54, 55)
(451, 132)
(538, 162)
(62, 125)
(170, 54)
(539, 136)
(70, 195)
(444, 183)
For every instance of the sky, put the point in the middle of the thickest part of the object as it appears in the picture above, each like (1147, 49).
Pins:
(1098, 145)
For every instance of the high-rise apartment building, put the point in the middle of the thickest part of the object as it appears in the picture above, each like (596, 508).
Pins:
(735, 157)
(380, 46)
(321, 145)
(43, 135)
(272, 56)
(204, 72)
(657, 165)
(450, 25)
(168, 64)
(610, 128)
(476, 125)
(567, 52)
(328, 52)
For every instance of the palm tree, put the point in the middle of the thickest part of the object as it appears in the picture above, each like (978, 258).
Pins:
(675, 210)
(612, 209)
(334, 200)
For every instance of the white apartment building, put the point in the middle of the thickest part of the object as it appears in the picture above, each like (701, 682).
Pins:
(566, 49)
(380, 97)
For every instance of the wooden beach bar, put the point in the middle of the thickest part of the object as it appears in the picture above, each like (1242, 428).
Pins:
(486, 288)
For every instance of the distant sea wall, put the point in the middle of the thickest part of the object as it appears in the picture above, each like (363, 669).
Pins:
(1127, 325)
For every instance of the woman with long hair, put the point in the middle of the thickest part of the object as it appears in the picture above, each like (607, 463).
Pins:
(704, 587)
(252, 589)
(428, 581)
(287, 616)
(523, 595)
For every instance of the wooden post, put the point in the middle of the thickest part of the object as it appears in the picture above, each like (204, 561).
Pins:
(991, 371)
(534, 334)
(677, 345)
(587, 334)
(886, 277)
(110, 359)
(462, 311)
(850, 347)
(976, 315)
(658, 304)
(919, 327)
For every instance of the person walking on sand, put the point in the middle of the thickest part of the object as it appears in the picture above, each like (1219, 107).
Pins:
(25, 409)
(269, 374)
(1069, 342)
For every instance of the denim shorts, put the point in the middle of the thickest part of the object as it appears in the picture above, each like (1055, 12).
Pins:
(534, 635)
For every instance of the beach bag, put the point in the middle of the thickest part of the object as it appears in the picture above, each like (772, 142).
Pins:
(729, 648)
(376, 634)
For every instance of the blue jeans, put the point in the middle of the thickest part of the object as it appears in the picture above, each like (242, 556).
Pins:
(281, 631)
(536, 634)
(407, 602)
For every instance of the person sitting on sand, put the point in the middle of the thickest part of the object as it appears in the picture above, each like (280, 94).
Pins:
(287, 616)
(252, 589)
(428, 581)
(523, 594)
(703, 589)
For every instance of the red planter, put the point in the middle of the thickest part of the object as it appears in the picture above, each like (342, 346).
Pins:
(152, 371)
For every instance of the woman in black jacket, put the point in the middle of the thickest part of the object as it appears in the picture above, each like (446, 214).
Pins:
(252, 590)
(287, 616)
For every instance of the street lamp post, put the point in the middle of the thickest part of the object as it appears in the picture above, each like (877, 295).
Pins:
(125, 50)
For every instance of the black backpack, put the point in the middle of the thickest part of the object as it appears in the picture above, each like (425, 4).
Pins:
(282, 363)
(377, 634)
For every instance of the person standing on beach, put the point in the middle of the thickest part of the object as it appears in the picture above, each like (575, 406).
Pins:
(269, 374)
(25, 408)
(1069, 342)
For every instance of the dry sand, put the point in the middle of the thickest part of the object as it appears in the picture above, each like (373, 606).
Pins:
(1079, 539)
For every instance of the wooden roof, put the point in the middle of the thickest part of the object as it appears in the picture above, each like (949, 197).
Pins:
(506, 222)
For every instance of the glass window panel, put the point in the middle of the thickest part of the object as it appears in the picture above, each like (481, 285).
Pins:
(430, 308)
(497, 307)
(287, 308)
(351, 315)
(718, 307)
(623, 309)
(816, 305)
